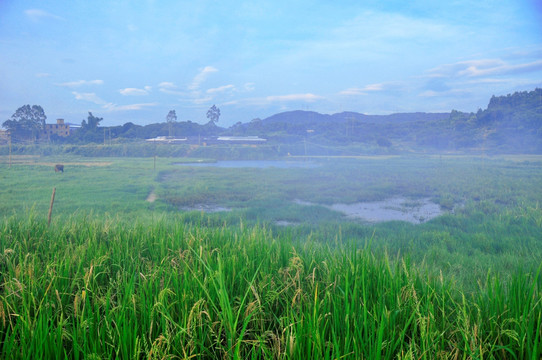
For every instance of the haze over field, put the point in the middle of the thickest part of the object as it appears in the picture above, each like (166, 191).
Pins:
(135, 61)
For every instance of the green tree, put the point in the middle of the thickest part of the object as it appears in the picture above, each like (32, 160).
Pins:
(27, 122)
(91, 123)
(213, 114)
(171, 118)
(89, 130)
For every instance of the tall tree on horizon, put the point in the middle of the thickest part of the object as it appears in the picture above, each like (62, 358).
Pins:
(213, 114)
(170, 119)
(26, 122)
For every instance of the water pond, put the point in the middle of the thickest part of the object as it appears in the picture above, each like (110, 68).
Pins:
(260, 164)
(206, 208)
(397, 208)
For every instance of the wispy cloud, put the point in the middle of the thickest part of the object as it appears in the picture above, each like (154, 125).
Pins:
(90, 97)
(38, 14)
(79, 83)
(203, 100)
(294, 97)
(221, 89)
(484, 67)
(170, 88)
(109, 106)
(135, 91)
(114, 107)
(362, 91)
(446, 93)
(392, 86)
(249, 86)
(201, 76)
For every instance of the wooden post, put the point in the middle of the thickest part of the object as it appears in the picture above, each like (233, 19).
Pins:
(51, 207)
(10, 150)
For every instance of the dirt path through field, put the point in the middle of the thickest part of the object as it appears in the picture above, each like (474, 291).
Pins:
(152, 197)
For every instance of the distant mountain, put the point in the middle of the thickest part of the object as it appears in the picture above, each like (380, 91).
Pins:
(509, 124)
(300, 117)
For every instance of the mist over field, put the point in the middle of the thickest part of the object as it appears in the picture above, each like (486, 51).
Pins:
(271, 180)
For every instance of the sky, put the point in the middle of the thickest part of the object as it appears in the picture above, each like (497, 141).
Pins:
(134, 61)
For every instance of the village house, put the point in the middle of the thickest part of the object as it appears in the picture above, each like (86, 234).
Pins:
(60, 129)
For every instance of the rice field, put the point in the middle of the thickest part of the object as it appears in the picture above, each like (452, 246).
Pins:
(116, 276)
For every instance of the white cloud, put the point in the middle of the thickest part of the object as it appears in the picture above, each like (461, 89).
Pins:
(364, 90)
(483, 67)
(91, 97)
(170, 88)
(166, 85)
(201, 76)
(446, 93)
(43, 75)
(38, 14)
(135, 91)
(199, 101)
(114, 107)
(221, 89)
(233, 102)
(80, 83)
(294, 97)
(249, 86)
(108, 106)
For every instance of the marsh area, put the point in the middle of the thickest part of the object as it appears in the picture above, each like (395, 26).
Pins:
(415, 211)
(257, 164)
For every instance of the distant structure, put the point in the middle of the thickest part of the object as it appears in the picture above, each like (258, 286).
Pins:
(167, 140)
(241, 139)
(60, 129)
(73, 127)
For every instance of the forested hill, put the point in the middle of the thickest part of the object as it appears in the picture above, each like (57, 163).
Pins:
(511, 123)
(299, 117)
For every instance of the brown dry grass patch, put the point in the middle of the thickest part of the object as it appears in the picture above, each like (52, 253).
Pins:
(34, 160)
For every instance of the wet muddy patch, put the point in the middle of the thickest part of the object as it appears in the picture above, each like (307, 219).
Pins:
(414, 211)
(286, 223)
(206, 208)
(258, 164)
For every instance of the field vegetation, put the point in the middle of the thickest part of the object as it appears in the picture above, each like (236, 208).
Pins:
(117, 276)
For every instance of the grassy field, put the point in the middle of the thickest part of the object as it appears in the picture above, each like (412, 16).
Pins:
(118, 275)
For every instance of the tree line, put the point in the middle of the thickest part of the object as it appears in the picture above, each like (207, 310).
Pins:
(29, 122)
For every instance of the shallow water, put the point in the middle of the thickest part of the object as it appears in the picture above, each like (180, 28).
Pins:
(285, 223)
(260, 164)
(398, 208)
(206, 208)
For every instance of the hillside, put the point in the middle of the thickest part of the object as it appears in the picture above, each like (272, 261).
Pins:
(511, 123)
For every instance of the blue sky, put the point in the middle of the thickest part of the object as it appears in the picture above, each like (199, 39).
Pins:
(136, 60)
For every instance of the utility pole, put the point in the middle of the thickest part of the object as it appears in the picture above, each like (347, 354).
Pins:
(104, 136)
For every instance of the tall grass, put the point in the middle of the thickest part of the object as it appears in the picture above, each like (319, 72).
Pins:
(110, 289)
